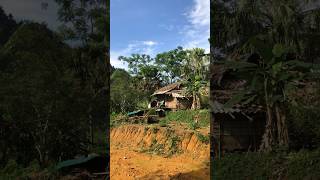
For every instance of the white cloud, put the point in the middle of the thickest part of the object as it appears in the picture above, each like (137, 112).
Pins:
(136, 47)
(150, 43)
(197, 32)
(200, 13)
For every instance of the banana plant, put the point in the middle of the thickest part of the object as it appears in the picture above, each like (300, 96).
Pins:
(268, 79)
(195, 70)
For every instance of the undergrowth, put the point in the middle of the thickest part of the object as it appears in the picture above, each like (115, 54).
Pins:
(33, 171)
(160, 149)
(203, 138)
(264, 166)
(189, 117)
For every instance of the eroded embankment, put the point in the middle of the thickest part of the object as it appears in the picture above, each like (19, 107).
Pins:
(148, 152)
(161, 140)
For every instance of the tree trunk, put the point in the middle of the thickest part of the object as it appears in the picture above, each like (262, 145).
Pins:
(267, 138)
(283, 137)
(198, 102)
(194, 100)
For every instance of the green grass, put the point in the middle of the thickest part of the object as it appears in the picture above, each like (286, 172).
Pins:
(155, 148)
(117, 119)
(158, 148)
(173, 145)
(33, 171)
(264, 166)
(145, 130)
(202, 138)
(155, 130)
(188, 116)
(163, 123)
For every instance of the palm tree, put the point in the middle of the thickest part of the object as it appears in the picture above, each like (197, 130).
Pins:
(195, 70)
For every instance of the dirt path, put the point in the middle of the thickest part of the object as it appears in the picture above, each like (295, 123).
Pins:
(128, 163)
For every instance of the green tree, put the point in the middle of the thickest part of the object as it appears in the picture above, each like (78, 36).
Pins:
(41, 101)
(195, 73)
(86, 24)
(146, 75)
(170, 63)
(123, 96)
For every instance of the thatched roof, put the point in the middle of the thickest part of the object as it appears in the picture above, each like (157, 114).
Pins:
(167, 88)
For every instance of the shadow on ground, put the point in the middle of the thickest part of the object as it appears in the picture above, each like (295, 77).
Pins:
(201, 174)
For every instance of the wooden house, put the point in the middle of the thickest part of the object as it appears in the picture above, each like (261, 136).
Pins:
(236, 128)
(172, 96)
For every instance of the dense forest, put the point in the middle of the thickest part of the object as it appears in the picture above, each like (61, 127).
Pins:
(272, 46)
(53, 88)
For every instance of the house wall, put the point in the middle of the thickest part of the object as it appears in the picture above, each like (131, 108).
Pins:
(184, 103)
(175, 103)
(239, 134)
(171, 102)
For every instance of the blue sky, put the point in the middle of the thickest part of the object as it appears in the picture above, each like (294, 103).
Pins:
(154, 26)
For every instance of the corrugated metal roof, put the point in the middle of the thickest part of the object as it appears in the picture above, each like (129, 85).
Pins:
(167, 88)
(77, 161)
(217, 107)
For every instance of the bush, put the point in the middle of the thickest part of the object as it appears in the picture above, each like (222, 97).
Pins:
(295, 165)
(117, 119)
(188, 116)
(33, 171)
(304, 127)
(202, 138)
(163, 123)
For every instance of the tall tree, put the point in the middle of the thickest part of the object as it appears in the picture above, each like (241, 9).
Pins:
(171, 63)
(41, 100)
(195, 73)
(123, 96)
(147, 76)
(86, 24)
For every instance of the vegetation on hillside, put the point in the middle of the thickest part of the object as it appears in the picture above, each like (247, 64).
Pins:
(273, 165)
(54, 97)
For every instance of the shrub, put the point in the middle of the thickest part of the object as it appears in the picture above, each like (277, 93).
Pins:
(187, 116)
(276, 165)
(202, 138)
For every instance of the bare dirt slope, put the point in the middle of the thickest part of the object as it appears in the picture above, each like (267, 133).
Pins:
(151, 152)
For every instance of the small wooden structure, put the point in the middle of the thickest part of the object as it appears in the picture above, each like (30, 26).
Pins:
(237, 128)
(173, 97)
